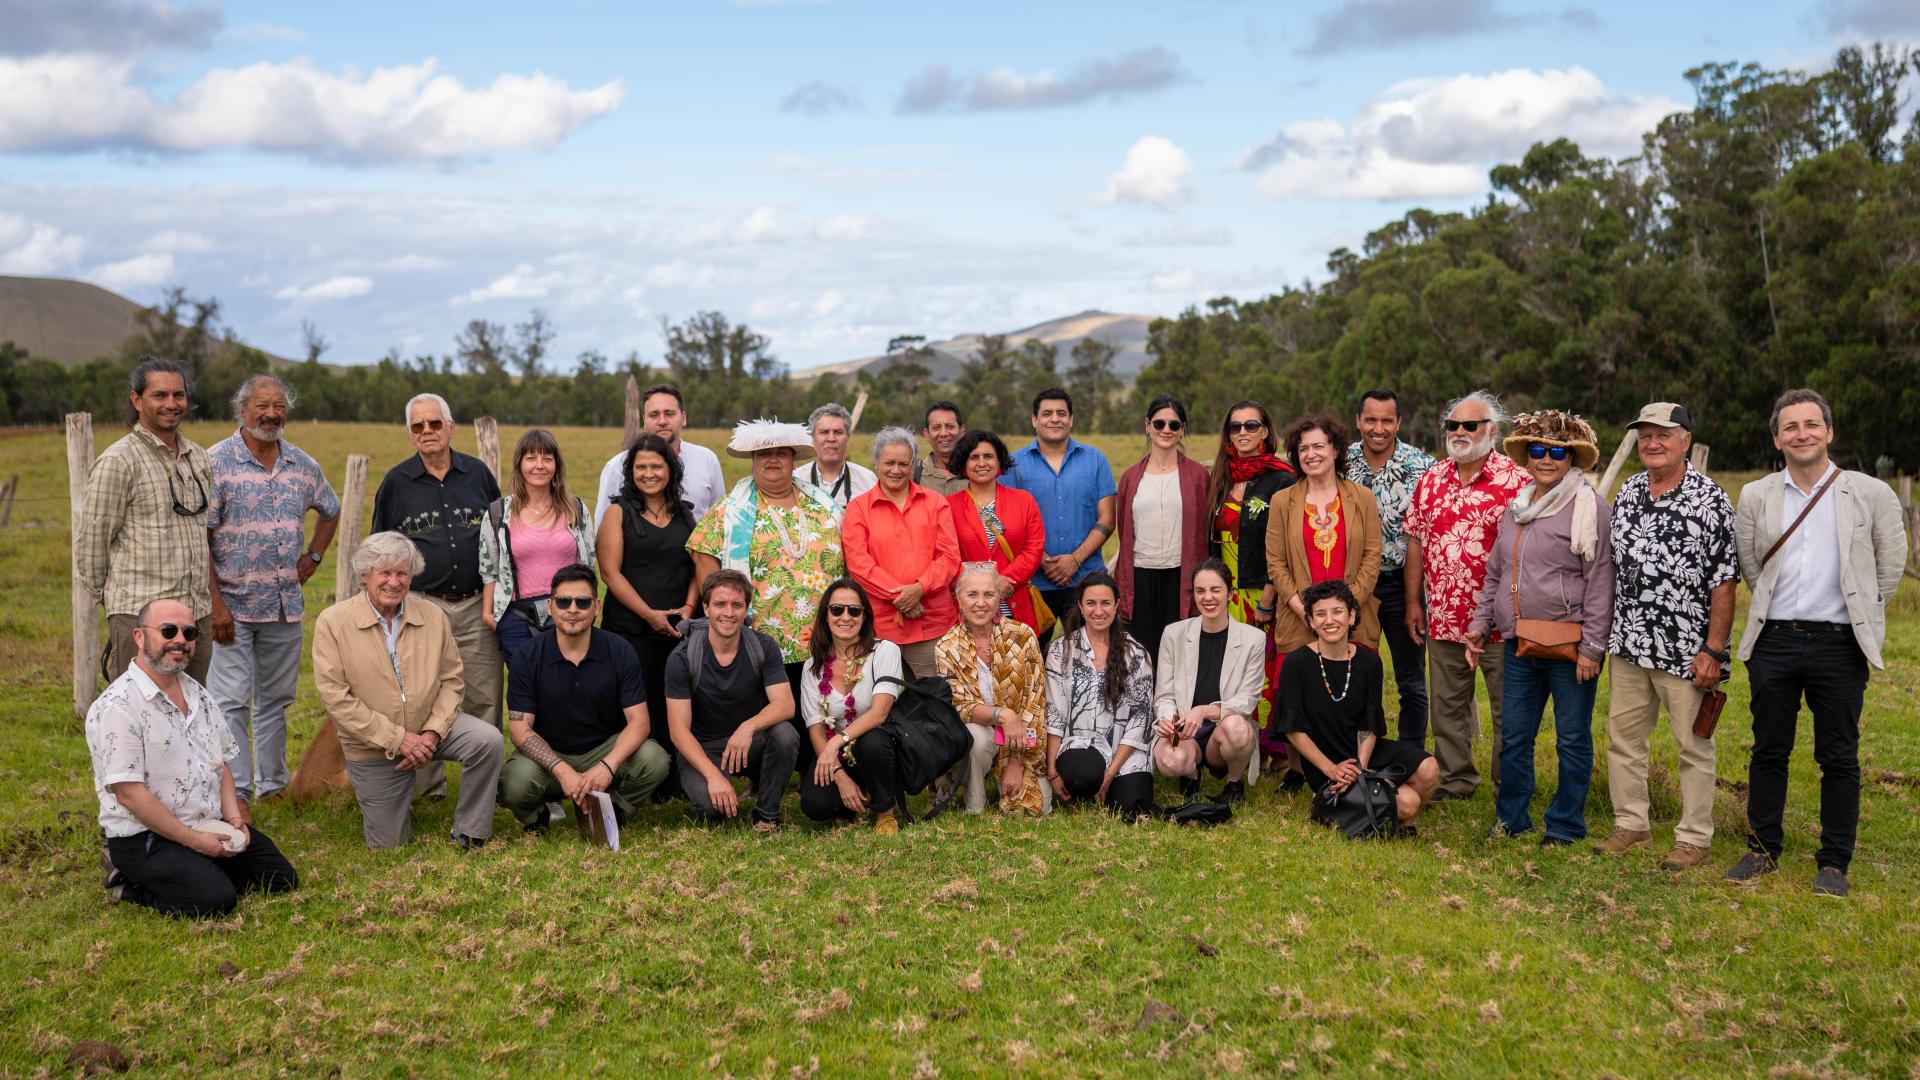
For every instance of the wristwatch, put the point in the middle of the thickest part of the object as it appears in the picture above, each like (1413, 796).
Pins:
(315, 556)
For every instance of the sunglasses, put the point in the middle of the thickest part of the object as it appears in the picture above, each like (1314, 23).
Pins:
(173, 489)
(1557, 453)
(1464, 425)
(419, 426)
(843, 610)
(571, 603)
(1235, 427)
(167, 630)
(1168, 425)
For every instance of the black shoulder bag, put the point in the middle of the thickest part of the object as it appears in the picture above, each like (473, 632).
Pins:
(1366, 808)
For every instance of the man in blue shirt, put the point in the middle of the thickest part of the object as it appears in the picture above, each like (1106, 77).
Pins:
(1073, 484)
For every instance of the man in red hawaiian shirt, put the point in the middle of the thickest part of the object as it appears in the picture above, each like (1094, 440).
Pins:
(1451, 524)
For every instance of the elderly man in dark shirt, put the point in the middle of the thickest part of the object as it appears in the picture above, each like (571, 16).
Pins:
(437, 499)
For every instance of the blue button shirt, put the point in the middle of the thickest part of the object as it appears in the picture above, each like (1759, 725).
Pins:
(1069, 500)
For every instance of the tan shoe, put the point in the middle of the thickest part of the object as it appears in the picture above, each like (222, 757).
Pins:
(1685, 857)
(1621, 841)
(886, 823)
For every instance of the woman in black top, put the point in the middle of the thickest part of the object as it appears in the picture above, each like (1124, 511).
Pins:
(642, 546)
(1328, 705)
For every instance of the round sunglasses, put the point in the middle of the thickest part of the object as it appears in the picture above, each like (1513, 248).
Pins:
(188, 632)
(1168, 425)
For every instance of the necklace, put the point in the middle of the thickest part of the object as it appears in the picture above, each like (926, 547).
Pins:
(791, 550)
(1327, 685)
(1325, 520)
(839, 725)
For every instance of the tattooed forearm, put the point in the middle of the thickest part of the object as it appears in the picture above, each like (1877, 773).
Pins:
(533, 747)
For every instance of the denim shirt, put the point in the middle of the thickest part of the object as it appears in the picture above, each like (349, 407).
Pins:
(1069, 500)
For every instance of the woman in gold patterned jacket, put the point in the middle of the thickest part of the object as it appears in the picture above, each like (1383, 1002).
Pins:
(999, 685)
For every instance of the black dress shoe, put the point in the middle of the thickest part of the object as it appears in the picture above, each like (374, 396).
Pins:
(1189, 788)
(1234, 792)
(1291, 781)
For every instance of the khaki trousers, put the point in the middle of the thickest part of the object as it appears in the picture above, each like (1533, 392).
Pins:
(919, 657)
(480, 669)
(1635, 694)
(1454, 715)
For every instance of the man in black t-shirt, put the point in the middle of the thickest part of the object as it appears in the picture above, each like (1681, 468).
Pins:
(577, 714)
(728, 703)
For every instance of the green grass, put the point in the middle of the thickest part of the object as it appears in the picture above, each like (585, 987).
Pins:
(973, 945)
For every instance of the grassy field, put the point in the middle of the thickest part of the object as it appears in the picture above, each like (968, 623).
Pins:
(1070, 946)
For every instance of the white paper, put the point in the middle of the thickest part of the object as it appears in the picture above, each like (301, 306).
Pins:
(608, 822)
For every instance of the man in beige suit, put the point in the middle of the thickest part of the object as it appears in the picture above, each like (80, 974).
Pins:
(1822, 550)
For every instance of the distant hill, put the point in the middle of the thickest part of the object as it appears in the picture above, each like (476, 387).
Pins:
(1129, 332)
(68, 322)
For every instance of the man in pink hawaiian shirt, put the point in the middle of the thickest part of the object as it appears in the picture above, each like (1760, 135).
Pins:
(1451, 524)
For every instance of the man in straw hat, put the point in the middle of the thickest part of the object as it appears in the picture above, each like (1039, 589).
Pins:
(1675, 569)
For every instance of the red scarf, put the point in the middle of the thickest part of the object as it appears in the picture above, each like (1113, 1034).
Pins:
(1243, 469)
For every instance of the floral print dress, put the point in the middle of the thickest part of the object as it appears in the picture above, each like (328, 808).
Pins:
(1019, 686)
(793, 556)
(1241, 605)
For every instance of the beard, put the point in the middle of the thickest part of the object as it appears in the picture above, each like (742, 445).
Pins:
(1473, 451)
(263, 433)
(169, 658)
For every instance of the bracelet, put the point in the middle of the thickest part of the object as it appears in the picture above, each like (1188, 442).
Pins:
(1264, 609)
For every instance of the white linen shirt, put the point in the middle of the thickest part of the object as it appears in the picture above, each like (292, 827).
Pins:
(135, 732)
(701, 481)
(1808, 588)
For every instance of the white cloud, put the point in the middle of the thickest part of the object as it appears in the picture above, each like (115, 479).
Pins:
(819, 98)
(409, 113)
(1142, 71)
(1435, 138)
(522, 283)
(103, 26)
(33, 248)
(176, 241)
(139, 272)
(344, 287)
(1181, 235)
(411, 262)
(1155, 174)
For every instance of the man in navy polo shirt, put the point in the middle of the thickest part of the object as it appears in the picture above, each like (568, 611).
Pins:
(1074, 486)
(577, 714)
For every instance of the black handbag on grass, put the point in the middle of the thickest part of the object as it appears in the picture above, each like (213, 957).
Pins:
(1366, 808)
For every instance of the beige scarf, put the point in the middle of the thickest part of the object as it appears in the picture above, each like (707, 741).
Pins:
(1529, 506)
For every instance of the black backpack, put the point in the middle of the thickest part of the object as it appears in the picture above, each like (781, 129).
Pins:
(929, 738)
(693, 638)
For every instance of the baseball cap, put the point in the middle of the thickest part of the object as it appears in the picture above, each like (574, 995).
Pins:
(1664, 414)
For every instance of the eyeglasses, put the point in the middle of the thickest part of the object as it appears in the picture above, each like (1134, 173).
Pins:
(842, 610)
(420, 426)
(571, 603)
(167, 630)
(1557, 453)
(1464, 425)
(1235, 427)
(174, 490)
(1168, 425)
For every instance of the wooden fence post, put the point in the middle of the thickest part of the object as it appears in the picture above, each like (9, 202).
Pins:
(859, 406)
(1697, 458)
(86, 624)
(6, 498)
(486, 435)
(347, 538)
(1605, 486)
(630, 434)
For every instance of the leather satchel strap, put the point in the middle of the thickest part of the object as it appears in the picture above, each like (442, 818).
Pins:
(1513, 586)
(1804, 511)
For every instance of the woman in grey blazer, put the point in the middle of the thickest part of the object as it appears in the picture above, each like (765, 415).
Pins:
(1209, 679)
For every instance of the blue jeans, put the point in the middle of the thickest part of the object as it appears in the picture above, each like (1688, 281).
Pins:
(514, 632)
(1525, 685)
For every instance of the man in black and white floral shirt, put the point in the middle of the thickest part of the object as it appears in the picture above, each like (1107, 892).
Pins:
(1675, 566)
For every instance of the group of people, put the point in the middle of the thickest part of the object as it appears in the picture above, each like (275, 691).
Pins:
(781, 618)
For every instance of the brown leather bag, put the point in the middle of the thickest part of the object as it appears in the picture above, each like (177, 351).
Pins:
(1708, 717)
(1540, 639)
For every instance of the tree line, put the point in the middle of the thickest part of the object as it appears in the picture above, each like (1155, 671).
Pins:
(1767, 238)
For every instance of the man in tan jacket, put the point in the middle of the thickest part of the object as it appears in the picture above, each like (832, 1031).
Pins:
(389, 674)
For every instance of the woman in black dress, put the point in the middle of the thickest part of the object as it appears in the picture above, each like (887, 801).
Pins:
(1329, 707)
(642, 545)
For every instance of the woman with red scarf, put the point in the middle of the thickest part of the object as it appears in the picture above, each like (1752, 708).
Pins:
(1247, 474)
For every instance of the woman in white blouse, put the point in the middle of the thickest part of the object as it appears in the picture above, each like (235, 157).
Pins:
(1099, 705)
(847, 689)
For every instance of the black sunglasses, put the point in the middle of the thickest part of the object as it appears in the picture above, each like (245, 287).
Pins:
(1168, 425)
(1235, 427)
(167, 630)
(1468, 425)
(1557, 453)
(839, 610)
(571, 603)
(174, 490)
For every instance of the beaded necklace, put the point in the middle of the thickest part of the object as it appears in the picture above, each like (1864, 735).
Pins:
(1328, 686)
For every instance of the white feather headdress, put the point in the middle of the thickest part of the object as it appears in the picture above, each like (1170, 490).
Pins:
(765, 434)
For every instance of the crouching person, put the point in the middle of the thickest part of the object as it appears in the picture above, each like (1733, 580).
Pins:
(728, 703)
(1208, 682)
(1329, 706)
(577, 714)
(1099, 704)
(177, 840)
(389, 674)
(847, 691)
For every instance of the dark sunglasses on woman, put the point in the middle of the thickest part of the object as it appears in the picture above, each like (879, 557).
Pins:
(1557, 453)
(1168, 425)
(1235, 427)
(842, 610)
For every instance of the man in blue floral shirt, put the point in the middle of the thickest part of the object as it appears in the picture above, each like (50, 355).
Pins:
(1380, 461)
(263, 489)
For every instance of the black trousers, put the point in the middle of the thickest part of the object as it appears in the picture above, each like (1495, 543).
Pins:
(653, 650)
(174, 879)
(1827, 667)
(1409, 656)
(875, 770)
(1081, 771)
(1057, 601)
(1156, 606)
(770, 758)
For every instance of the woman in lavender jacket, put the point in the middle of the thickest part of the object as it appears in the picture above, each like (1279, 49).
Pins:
(1564, 573)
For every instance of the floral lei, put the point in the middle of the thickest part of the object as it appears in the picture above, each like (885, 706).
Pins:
(839, 725)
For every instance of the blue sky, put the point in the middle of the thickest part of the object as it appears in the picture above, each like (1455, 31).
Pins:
(832, 173)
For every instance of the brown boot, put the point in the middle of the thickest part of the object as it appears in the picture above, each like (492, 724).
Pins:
(1685, 857)
(886, 823)
(1620, 841)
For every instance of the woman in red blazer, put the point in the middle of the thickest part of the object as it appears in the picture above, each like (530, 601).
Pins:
(1163, 527)
(997, 523)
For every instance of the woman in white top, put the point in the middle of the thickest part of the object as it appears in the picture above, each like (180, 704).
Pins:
(1162, 526)
(847, 689)
(1099, 705)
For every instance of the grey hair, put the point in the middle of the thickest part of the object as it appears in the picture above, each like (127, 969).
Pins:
(973, 569)
(241, 395)
(895, 435)
(1486, 399)
(386, 549)
(446, 410)
(831, 408)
